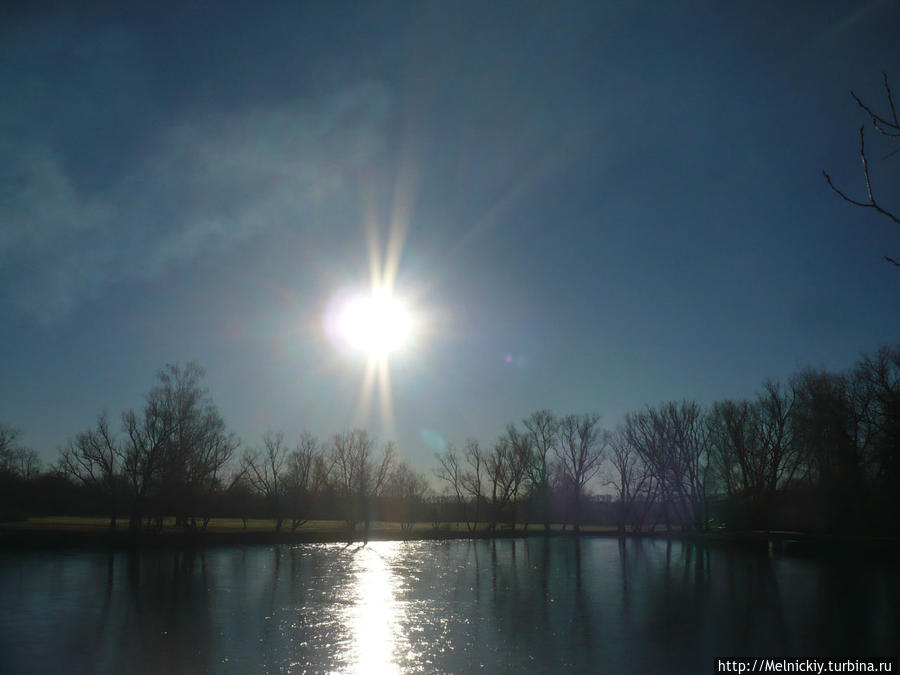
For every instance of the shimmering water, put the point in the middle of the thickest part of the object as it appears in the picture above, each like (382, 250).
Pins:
(454, 606)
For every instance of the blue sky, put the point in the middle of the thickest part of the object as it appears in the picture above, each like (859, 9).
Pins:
(604, 205)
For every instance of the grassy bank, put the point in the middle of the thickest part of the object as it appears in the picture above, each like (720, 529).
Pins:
(88, 531)
(80, 532)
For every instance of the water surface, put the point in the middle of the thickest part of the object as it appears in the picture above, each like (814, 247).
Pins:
(509, 605)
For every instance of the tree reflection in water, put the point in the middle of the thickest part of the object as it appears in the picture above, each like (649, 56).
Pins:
(538, 604)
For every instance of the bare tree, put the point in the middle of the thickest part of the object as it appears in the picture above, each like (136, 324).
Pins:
(9, 446)
(17, 460)
(26, 463)
(505, 472)
(265, 470)
(888, 126)
(8, 440)
(450, 472)
(753, 452)
(783, 457)
(580, 454)
(830, 423)
(93, 458)
(20, 467)
(467, 479)
(672, 440)
(473, 479)
(307, 473)
(238, 495)
(144, 457)
(358, 475)
(633, 481)
(521, 454)
(407, 488)
(543, 427)
(877, 379)
(732, 441)
(176, 449)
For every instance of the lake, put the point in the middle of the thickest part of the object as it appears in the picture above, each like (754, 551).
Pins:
(510, 605)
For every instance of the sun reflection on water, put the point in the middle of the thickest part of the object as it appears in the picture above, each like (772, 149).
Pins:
(373, 620)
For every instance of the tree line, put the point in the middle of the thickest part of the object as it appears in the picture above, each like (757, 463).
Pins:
(176, 458)
(819, 451)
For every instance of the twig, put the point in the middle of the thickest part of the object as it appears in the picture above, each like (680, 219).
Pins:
(887, 128)
(872, 203)
(887, 88)
(842, 195)
(875, 117)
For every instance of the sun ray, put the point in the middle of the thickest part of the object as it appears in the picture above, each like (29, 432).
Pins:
(387, 402)
(401, 214)
(373, 244)
(377, 323)
(367, 386)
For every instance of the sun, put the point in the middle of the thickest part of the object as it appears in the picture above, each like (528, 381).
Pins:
(377, 324)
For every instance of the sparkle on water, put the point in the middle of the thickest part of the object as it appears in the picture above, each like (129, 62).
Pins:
(506, 605)
(373, 616)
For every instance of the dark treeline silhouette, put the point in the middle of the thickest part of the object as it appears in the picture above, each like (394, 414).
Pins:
(817, 453)
(176, 459)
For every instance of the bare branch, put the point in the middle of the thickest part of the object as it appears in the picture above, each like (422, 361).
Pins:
(877, 120)
(842, 195)
(887, 88)
(872, 203)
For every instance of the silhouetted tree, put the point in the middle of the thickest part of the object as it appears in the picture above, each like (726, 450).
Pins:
(450, 472)
(504, 472)
(465, 477)
(580, 455)
(672, 441)
(176, 449)
(20, 466)
(888, 126)
(474, 477)
(521, 455)
(633, 481)
(753, 451)
(94, 459)
(358, 475)
(878, 379)
(830, 424)
(265, 471)
(543, 427)
(407, 489)
(17, 460)
(306, 475)
(8, 442)
(238, 497)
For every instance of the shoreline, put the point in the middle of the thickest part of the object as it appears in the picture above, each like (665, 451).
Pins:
(17, 536)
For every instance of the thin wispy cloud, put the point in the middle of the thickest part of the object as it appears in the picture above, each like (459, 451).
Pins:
(204, 184)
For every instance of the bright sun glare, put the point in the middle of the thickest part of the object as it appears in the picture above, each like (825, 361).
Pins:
(376, 324)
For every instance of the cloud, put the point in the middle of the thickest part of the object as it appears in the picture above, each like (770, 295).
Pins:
(203, 183)
(51, 250)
